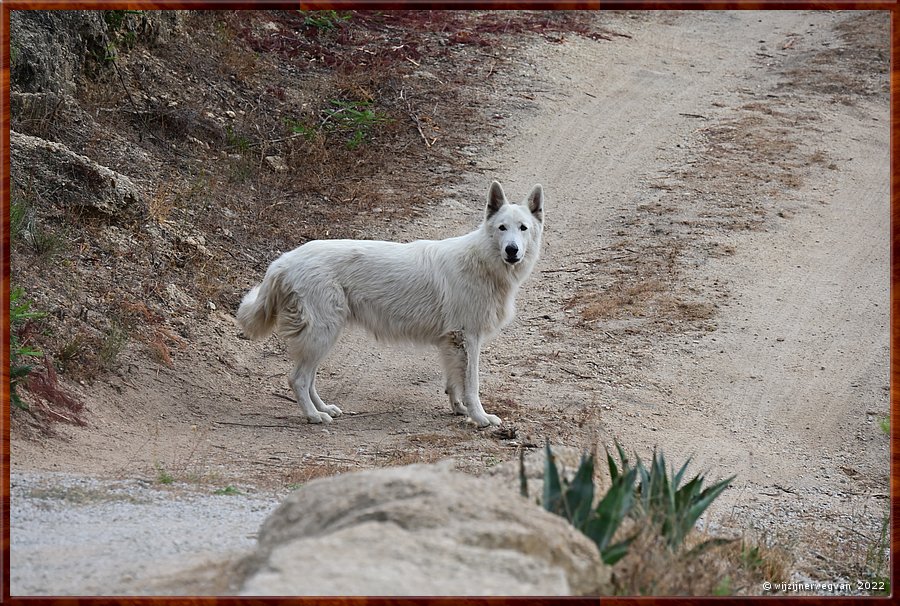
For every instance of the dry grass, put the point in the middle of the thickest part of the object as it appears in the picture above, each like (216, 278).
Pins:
(692, 311)
(502, 406)
(324, 466)
(87, 352)
(400, 457)
(865, 49)
(162, 202)
(734, 568)
(81, 495)
(159, 352)
(619, 299)
(312, 470)
(50, 400)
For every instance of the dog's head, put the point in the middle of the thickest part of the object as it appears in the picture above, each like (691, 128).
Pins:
(515, 229)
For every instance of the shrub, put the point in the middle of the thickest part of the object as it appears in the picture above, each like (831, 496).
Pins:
(354, 121)
(20, 315)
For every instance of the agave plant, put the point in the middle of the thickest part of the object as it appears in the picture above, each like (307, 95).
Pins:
(671, 509)
(574, 500)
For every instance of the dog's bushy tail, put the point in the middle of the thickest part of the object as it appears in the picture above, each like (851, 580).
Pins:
(256, 316)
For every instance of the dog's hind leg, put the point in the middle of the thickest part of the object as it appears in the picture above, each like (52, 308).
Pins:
(301, 380)
(454, 364)
(321, 406)
(309, 333)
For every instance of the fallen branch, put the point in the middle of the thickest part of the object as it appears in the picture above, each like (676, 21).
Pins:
(576, 373)
(331, 458)
(62, 417)
(418, 125)
(124, 86)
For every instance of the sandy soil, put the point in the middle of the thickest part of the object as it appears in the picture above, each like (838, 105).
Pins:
(714, 283)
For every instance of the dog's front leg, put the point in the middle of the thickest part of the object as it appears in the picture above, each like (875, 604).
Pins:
(472, 349)
(453, 359)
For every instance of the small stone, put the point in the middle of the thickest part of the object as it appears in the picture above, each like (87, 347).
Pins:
(276, 163)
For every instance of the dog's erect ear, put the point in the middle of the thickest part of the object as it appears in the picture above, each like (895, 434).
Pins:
(536, 202)
(496, 199)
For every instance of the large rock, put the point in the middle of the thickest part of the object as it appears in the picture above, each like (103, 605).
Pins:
(51, 48)
(67, 178)
(419, 530)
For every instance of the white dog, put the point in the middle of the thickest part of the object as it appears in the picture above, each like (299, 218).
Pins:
(454, 293)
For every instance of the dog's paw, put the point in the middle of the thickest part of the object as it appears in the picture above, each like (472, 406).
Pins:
(333, 410)
(319, 417)
(458, 408)
(493, 420)
(486, 420)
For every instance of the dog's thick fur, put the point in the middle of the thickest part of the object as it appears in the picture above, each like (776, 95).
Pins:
(454, 293)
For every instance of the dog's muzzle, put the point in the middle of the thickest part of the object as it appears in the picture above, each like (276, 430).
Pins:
(512, 254)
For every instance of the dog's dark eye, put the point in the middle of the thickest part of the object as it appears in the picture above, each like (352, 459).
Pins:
(502, 228)
(522, 228)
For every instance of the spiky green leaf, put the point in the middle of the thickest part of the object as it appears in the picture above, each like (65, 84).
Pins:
(611, 510)
(579, 495)
(523, 480)
(552, 485)
(704, 500)
(613, 468)
(676, 480)
(617, 551)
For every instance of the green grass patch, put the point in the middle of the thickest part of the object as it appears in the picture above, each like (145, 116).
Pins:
(163, 476)
(354, 122)
(236, 141)
(878, 560)
(325, 20)
(114, 340)
(20, 315)
(227, 491)
(25, 230)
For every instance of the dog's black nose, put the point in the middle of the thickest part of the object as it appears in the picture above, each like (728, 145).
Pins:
(511, 251)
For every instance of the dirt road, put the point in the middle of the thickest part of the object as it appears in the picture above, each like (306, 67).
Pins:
(774, 200)
(714, 283)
